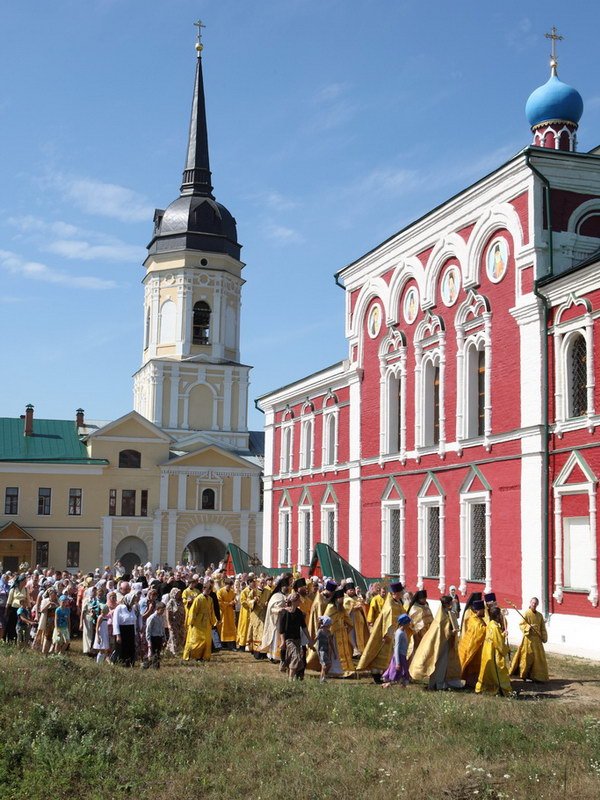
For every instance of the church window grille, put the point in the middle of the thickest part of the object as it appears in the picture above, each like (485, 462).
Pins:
(306, 528)
(285, 537)
(130, 459)
(328, 535)
(394, 559)
(75, 502)
(578, 376)
(11, 500)
(477, 541)
(432, 564)
(128, 503)
(201, 323)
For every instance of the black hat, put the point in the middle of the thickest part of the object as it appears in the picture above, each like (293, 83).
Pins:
(349, 585)
(421, 594)
(477, 605)
(299, 583)
(472, 598)
(337, 594)
(490, 597)
(396, 587)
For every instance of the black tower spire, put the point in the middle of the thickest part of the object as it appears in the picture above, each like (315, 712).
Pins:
(195, 220)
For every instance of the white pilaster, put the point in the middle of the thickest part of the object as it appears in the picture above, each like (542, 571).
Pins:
(244, 524)
(172, 539)
(354, 517)
(163, 498)
(174, 398)
(181, 491)
(156, 538)
(237, 493)
(107, 540)
(267, 527)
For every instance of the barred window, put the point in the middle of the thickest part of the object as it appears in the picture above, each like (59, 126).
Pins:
(394, 523)
(578, 376)
(477, 542)
(432, 567)
(329, 532)
(285, 538)
(306, 537)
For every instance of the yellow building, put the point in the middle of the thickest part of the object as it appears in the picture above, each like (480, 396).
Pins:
(180, 476)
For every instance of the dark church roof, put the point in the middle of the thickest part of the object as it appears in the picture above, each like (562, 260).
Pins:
(195, 220)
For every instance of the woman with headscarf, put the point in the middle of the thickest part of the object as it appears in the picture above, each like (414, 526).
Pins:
(175, 615)
(48, 606)
(90, 611)
(125, 626)
(17, 596)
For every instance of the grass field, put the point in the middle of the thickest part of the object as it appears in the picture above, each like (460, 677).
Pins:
(234, 728)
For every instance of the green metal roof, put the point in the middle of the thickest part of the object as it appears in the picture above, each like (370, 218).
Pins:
(332, 565)
(53, 441)
(240, 561)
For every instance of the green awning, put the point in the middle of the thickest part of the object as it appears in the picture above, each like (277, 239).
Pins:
(327, 562)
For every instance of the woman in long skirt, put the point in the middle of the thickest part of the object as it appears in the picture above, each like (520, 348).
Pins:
(90, 611)
(175, 614)
(125, 625)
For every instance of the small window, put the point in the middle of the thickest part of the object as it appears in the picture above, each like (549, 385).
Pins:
(130, 459)
(144, 503)
(208, 500)
(41, 554)
(432, 564)
(201, 323)
(72, 554)
(577, 365)
(44, 496)
(74, 502)
(128, 503)
(11, 500)
(112, 502)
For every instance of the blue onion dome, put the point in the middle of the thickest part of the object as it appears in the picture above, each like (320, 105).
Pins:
(554, 101)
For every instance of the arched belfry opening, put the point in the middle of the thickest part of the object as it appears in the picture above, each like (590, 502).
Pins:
(204, 551)
(131, 551)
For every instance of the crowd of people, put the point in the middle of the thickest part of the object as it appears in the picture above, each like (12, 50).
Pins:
(298, 623)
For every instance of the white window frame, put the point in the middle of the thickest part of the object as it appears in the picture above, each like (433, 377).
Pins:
(287, 447)
(473, 329)
(330, 419)
(562, 488)
(392, 404)
(387, 507)
(563, 334)
(305, 511)
(205, 483)
(430, 347)
(307, 442)
(569, 586)
(467, 500)
(284, 549)
(424, 502)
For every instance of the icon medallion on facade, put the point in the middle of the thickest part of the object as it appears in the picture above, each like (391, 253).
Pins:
(450, 285)
(411, 305)
(497, 260)
(374, 320)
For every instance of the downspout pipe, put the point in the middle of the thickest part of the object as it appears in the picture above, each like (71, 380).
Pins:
(545, 394)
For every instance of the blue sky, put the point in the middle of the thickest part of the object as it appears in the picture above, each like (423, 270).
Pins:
(332, 124)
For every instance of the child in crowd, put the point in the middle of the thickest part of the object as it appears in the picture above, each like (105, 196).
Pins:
(24, 623)
(155, 634)
(397, 671)
(62, 621)
(325, 646)
(101, 640)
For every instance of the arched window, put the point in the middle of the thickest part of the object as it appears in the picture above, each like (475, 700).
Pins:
(431, 428)
(130, 459)
(475, 391)
(286, 449)
(166, 323)
(307, 444)
(329, 438)
(147, 335)
(201, 323)
(577, 372)
(208, 500)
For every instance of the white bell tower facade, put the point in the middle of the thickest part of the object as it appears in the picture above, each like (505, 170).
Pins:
(191, 380)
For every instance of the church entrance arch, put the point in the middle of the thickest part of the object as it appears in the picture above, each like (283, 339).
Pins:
(204, 551)
(206, 544)
(131, 551)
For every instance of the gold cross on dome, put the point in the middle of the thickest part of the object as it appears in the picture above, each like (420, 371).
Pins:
(555, 37)
(199, 24)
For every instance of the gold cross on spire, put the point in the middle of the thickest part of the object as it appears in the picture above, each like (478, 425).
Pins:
(555, 37)
(199, 45)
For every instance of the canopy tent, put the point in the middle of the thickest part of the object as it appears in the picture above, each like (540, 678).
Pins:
(327, 562)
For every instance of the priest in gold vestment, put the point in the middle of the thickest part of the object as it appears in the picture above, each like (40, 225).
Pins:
(471, 641)
(378, 651)
(421, 618)
(529, 662)
(227, 629)
(341, 627)
(201, 620)
(244, 615)
(355, 608)
(436, 659)
(493, 674)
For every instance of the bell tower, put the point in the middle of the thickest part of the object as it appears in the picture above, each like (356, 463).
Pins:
(191, 380)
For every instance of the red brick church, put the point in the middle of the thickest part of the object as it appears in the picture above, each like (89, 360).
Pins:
(458, 442)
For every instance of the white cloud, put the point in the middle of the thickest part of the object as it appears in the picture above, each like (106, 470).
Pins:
(282, 234)
(84, 251)
(103, 199)
(35, 270)
(521, 37)
(273, 200)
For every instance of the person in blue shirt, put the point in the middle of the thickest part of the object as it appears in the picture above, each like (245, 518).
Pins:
(62, 620)
(397, 671)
